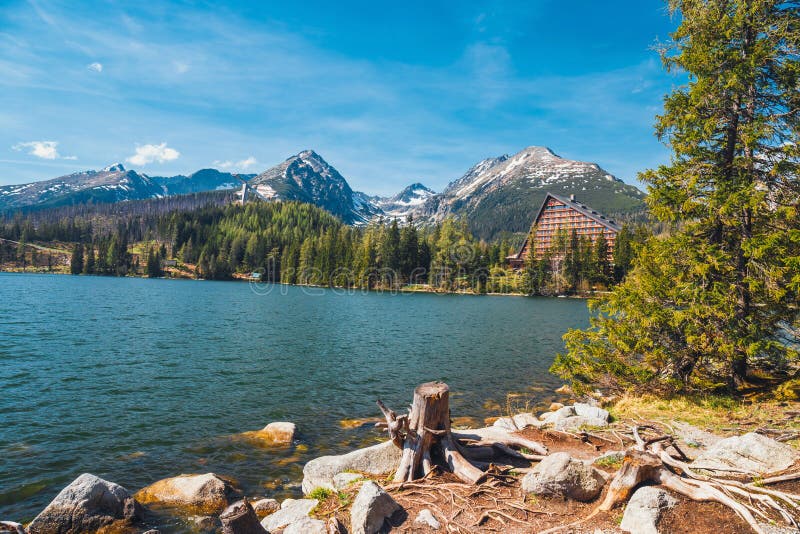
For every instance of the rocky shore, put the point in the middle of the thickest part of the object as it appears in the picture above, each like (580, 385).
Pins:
(561, 490)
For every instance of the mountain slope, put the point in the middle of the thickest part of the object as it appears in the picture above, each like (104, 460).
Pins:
(307, 177)
(112, 184)
(404, 203)
(502, 194)
(202, 180)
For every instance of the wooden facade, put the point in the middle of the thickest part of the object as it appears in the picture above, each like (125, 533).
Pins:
(557, 213)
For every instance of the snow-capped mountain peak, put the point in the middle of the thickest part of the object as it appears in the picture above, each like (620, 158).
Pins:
(115, 167)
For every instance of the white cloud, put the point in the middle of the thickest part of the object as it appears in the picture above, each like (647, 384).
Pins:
(181, 67)
(242, 164)
(40, 149)
(97, 67)
(149, 153)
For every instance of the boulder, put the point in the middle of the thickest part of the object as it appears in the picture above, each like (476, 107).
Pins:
(370, 509)
(426, 517)
(376, 460)
(555, 406)
(291, 510)
(564, 390)
(204, 494)
(279, 433)
(87, 504)
(592, 412)
(343, 480)
(264, 507)
(306, 525)
(693, 436)
(576, 422)
(751, 453)
(560, 475)
(518, 422)
(644, 510)
(561, 413)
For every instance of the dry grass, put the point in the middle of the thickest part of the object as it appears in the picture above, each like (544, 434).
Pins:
(716, 414)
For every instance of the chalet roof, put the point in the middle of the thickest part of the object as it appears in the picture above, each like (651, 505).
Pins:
(580, 208)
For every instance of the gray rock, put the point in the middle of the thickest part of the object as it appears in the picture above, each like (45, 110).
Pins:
(644, 510)
(561, 475)
(518, 422)
(370, 509)
(291, 510)
(376, 460)
(693, 436)
(426, 517)
(343, 480)
(576, 422)
(561, 413)
(592, 412)
(87, 504)
(193, 494)
(264, 507)
(306, 525)
(751, 453)
(776, 529)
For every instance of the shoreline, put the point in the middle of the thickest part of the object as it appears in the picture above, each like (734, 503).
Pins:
(579, 296)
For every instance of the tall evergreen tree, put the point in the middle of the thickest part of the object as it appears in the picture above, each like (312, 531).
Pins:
(718, 295)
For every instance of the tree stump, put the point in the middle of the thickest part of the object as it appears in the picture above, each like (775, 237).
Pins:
(240, 518)
(424, 432)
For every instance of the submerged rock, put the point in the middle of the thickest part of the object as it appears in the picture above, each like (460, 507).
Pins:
(560, 475)
(198, 494)
(375, 460)
(280, 433)
(205, 523)
(751, 453)
(644, 510)
(87, 504)
(291, 510)
(371, 507)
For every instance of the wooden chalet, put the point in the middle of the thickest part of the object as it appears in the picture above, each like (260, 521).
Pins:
(558, 213)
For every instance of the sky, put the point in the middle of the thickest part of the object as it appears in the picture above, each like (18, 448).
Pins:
(388, 93)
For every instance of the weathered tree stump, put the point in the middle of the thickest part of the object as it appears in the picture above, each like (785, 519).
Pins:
(424, 435)
(240, 518)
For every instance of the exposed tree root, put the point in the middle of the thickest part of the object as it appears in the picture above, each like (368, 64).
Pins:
(426, 439)
(649, 461)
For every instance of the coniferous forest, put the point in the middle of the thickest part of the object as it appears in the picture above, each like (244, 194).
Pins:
(212, 238)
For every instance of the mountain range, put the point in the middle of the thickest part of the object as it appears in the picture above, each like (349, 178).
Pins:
(496, 195)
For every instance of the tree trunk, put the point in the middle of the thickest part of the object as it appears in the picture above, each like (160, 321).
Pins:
(429, 428)
(241, 519)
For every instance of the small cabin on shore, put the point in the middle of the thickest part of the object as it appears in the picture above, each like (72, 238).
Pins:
(557, 213)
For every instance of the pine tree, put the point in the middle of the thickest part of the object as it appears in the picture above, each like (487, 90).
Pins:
(76, 263)
(716, 297)
(88, 265)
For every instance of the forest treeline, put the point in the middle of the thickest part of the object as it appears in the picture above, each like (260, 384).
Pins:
(297, 243)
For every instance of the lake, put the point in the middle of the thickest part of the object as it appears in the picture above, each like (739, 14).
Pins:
(136, 380)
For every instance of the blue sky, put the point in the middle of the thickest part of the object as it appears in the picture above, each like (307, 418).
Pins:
(388, 93)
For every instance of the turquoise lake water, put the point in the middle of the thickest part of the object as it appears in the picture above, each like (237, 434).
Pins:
(135, 380)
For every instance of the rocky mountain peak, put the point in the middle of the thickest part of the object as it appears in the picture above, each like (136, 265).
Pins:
(115, 167)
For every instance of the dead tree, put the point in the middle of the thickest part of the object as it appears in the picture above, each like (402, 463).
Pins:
(424, 435)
